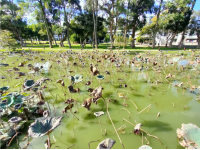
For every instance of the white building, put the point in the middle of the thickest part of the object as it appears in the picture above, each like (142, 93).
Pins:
(189, 39)
(161, 39)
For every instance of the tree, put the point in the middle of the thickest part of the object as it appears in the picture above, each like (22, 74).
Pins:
(38, 32)
(6, 40)
(149, 29)
(188, 3)
(156, 27)
(124, 21)
(83, 27)
(176, 17)
(67, 9)
(10, 20)
(140, 39)
(93, 6)
(194, 25)
(138, 8)
(110, 8)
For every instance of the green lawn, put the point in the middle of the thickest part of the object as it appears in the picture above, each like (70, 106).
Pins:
(102, 46)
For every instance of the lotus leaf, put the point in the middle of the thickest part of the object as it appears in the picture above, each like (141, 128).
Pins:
(15, 120)
(106, 144)
(121, 94)
(18, 106)
(78, 78)
(137, 128)
(45, 113)
(87, 103)
(108, 73)
(1, 111)
(28, 84)
(10, 102)
(183, 62)
(94, 70)
(100, 77)
(5, 88)
(70, 59)
(69, 101)
(72, 79)
(68, 107)
(145, 147)
(12, 99)
(18, 85)
(97, 93)
(4, 138)
(5, 65)
(26, 98)
(190, 136)
(43, 127)
(98, 114)
(71, 89)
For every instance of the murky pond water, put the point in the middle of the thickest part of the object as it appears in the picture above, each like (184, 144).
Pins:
(147, 85)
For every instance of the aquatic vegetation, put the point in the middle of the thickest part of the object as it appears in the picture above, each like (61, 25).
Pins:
(137, 128)
(78, 78)
(5, 88)
(10, 100)
(15, 120)
(87, 103)
(137, 87)
(43, 127)
(106, 144)
(145, 147)
(100, 77)
(94, 70)
(98, 114)
(189, 135)
(28, 84)
(97, 93)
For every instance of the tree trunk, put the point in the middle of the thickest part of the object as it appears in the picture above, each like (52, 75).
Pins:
(61, 44)
(133, 37)
(172, 40)
(54, 40)
(198, 38)
(31, 40)
(68, 36)
(93, 41)
(21, 41)
(154, 39)
(155, 32)
(182, 39)
(125, 31)
(38, 40)
(67, 31)
(116, 18)
(46, 24)
(94, 21)
(183, 35)
(166, 41)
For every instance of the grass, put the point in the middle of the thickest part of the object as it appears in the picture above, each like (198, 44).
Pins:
(101, 46)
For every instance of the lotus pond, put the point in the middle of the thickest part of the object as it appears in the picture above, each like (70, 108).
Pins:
(77, 99)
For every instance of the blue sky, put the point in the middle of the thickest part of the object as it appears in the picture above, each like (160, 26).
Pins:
(197, 5)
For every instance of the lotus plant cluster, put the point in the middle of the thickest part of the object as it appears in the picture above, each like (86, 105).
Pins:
(80, 90)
